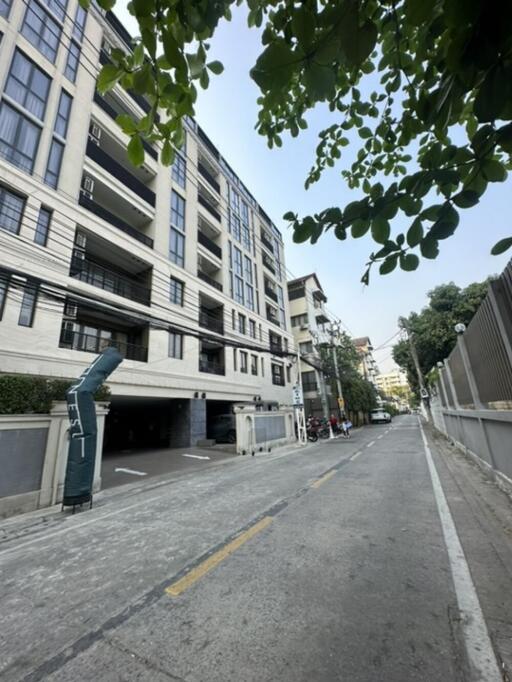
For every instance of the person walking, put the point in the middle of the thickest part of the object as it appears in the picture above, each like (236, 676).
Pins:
(346, 426)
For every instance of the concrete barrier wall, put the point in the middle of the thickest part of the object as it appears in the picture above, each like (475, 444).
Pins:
(262, 431)
(33, 457)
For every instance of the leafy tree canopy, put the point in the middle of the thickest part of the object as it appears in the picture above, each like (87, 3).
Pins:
(434, 133)
(433, 327)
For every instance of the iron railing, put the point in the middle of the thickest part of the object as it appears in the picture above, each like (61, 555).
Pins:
(209, 321)
(211, 367)
(112, 219)
(267, 242)
(90, 343)
(206, 278)
(268, 264)
(100, 156)
(91, 273)
(209, 177)
(209, 244)
(208, 206)
(271, 293)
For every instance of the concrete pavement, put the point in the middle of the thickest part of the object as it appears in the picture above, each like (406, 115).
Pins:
(323, 564)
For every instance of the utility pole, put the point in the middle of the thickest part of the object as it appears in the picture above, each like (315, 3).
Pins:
(333, 334)
(298, 406)
(423, 391)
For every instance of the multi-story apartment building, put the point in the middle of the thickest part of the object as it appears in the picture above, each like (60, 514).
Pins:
(368, 365)
(180, 268)
(393, 384)
(309, 323)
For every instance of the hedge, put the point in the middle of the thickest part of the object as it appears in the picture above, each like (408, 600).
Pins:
(23, 394)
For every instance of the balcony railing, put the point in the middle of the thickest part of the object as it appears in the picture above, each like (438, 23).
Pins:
(272, 294)
(101, 157)
(206, 278)
(209, 177)
(276, 347)
(112, 219)
(208, 206)
(267, 242)
(209, 321)
(209, 244)
(211, 367)
(269, 265)
(90, 343)
(273, 319)
(91, 273)
(110, 111)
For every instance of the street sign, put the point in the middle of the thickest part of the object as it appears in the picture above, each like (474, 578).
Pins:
(424, 393)
(298, 399)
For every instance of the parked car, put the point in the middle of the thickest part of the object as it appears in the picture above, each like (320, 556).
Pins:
(223, 429)
(379, 416)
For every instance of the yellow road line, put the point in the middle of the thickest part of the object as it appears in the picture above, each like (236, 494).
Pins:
(208, 564)
(325, 478)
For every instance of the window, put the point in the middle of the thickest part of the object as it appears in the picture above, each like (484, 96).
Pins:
(5, 6)
(306, 347)
(309, 382)
(252, 329)
(234, 359)
(299, 320)
(254, 365)
(249, 297)
(41, 30)
(262, 367)
(237, 261)
(4, 286)
(179, 170)
(54, 162)
(247, 270)
(177, 248)
(62, 118)
(19, 138)
(243, 361)
(177, 211)
(72, 62)
(43, 226)
(261, 332)
(239, 290)
(28, 85)
(28, 305)
(288, 375)
(233, 319)
(177, 291)
(277, 375)
(176, 346)
(282, 314)
(58, 7)
(79, 24)
(11, 210)
(241, 323)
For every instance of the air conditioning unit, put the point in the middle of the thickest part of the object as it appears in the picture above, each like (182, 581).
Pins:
(106, 47)
(70, 310)
(88, 187)
(80, 240)
(95, 133)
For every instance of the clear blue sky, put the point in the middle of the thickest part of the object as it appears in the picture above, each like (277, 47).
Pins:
(227, 111)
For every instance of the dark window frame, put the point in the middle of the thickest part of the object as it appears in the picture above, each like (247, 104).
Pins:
(31, 291)
(42, 240)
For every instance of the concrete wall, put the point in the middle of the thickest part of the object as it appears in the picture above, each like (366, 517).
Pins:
(33, 457)
(262, 431)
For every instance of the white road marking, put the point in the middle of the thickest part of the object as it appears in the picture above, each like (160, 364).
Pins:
(370, 444)
(130, 471)
(195, 456)
(356, 455)
(379, 437)
(476, 638)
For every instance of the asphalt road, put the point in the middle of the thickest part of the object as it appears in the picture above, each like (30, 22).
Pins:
(330, 563)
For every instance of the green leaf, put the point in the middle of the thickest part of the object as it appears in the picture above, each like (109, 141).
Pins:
(466, 198)
(167, 154)
(415, 233)
(319, 81)
(360, 227)
(417, 11)
(380, 230)
(142, 80)
(409, 262)
(303, 231)
(505, 138)
(493, 95)
(409, 205)
(389, 264)
(429, 247)
(195, 65)
(126, 123)
(501, 246)
(109, 76)
(135, 151)
(358, 42)
(365, 132)
(303, 25)
(432, 212)
(216, 67)
(290, 215)
(494, 171)
(274, 66)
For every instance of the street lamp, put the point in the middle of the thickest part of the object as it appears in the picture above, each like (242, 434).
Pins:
(460, 328)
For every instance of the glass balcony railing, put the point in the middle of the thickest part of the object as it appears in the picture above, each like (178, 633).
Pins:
(206, 278)
(209, 244)
(211, 322)
(91, 273)
(209, 177)
(91, 343)
(211, 367)
(208, 206)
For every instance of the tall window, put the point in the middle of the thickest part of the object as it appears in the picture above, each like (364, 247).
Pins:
(176, 346)
(62, 118)
(241, 323)
(59, 135)
(177, 238)
(177, 248)
(239, 219)
(79, 23)
(177, 211)
(4, 285)
(54, 163)
(73, 61)
(177, 291)
(252, 329)
(28, 305)
(40, 29)
(254, 365)
(179, 170)
(28, 85)
(277, 375)
(282, 314)
(11, 210)
(243, 361)
(43, 226)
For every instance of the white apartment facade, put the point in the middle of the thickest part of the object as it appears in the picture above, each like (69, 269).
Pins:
(180, 268)
(368, 367)
(310, 327)
(389, 382)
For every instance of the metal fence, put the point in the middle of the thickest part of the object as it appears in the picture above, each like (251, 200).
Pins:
(472, 403)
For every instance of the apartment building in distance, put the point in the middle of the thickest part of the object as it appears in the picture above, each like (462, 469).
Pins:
(394, 384)
(309, 324)
(180, 268)
(368, 365)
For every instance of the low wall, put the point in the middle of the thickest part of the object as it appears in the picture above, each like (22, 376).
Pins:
(262, 431)
(33, 457)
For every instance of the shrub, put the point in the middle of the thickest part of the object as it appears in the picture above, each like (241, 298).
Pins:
(24, 394)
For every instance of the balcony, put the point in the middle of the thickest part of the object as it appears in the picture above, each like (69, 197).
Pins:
(268, 264)
(266, 242)
(275, 347)
(92, 273)
(209, 177)
(209, 244)
(271, 293)
(113, 220)
(211, 367)
(278, 380)
(208, 206)
(97, 154)
(113, 113)
(209, 280)
(210, 321)
(94, 343)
